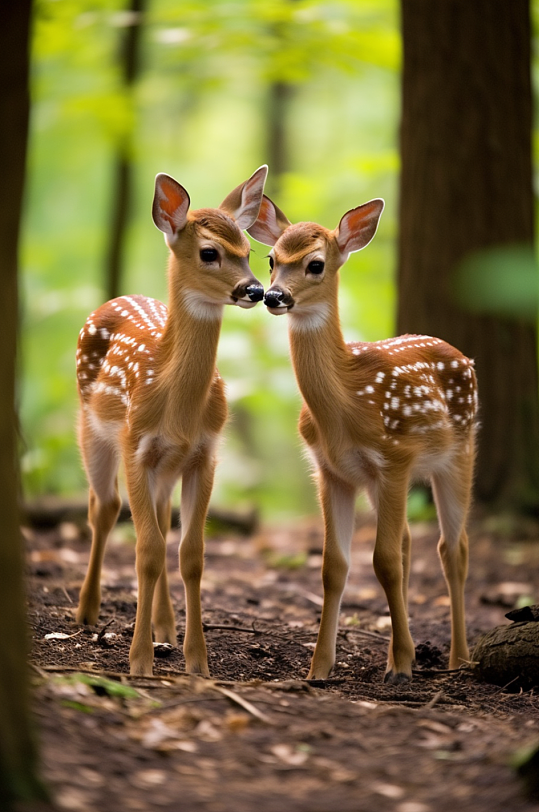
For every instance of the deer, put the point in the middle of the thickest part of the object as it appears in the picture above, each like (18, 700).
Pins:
(376, 416)
(152, 398)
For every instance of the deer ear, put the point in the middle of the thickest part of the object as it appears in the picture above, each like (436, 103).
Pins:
(358, 226)
(270, 223)
(243, 202)
(170, 207)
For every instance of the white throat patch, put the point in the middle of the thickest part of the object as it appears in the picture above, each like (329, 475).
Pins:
(308, 318)
(201, 308)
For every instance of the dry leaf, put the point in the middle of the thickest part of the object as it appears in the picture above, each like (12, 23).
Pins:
(289, 755)
(388, 790)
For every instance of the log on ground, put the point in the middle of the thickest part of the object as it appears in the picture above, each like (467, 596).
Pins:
(509, 656)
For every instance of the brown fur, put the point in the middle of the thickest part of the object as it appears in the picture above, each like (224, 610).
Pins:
(375, 416)
(151, 395)
(298, 242)
(223, 228)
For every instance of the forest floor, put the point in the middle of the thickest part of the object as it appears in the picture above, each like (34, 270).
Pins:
(257, 737)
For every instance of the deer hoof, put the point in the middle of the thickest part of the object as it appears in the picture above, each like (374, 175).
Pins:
(396, 678)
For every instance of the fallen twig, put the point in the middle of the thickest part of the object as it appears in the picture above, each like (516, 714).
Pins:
(243, 703)
(507, 684)
(324, 683)
(38, 670)
(433, 672)
(100, 639)
(434, 701)
(414, 704)
(116, 675)
(223, 627)
(312, 597)
(366, 633)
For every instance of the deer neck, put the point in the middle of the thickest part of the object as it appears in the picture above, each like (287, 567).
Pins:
(187, 354)
(320, 360)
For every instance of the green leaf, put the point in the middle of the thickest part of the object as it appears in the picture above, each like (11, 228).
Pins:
(101, 685)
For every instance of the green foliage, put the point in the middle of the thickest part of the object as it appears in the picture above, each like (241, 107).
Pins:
(199, 112)
(280, 40)
(74, 689)
(503, 281)
(421, 508)
(101, 685)
(286, 561)
(525, 762)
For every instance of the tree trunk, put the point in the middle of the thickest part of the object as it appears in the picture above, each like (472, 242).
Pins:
(466, 186)
(281, 95)
(18, 779)
(123, 165)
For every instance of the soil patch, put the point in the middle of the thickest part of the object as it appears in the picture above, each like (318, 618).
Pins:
(256, 735)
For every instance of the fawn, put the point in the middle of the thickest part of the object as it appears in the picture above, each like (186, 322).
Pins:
(376, 415)
(150, 394)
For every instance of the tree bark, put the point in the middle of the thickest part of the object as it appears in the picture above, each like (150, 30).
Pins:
(509, 655)
(18, 772)
(281, 95)
(466, 186)
(123, 164)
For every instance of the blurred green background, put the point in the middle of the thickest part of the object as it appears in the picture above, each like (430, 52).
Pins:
(203, 110)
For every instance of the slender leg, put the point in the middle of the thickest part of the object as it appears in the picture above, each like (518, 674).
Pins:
(337, 500)
(452, 492)
(372, 490)
(101, 463)
(406, 562)
(391, 564)
(150, 561)
(164, 625)
(197, 483)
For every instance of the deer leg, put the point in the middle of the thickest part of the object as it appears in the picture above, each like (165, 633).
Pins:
(392, 564)
(164, 624)
(150, 561)
(406, 544)
(452, 497)
(101, 463)
(337, 500)
(406, 562)
(197, 483)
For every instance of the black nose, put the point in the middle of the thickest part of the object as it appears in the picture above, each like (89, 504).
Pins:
(273, 298)
(255, 293)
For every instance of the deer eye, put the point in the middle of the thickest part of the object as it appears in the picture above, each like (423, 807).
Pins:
(208, 254)
(271, 262)
(315, 266)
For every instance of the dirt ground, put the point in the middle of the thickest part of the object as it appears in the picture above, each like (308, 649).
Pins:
(257, 736)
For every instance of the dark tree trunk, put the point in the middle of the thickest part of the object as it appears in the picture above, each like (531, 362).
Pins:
(281, 95)
(466, 186)
(123, 164)
(18, 779)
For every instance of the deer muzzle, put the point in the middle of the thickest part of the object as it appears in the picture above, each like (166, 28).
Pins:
(247, 294)
(278, 301)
